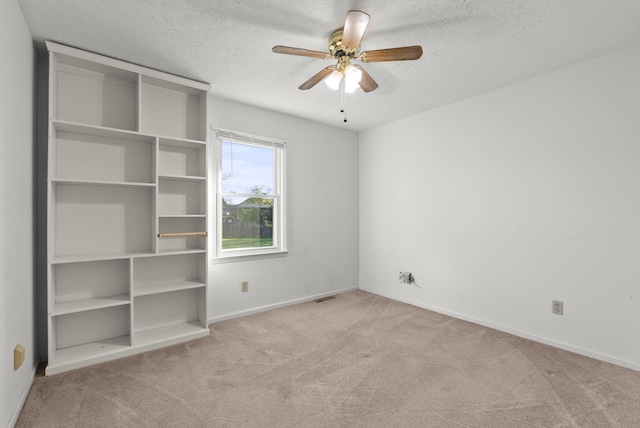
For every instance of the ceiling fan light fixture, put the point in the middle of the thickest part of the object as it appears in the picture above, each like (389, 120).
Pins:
(352, 78)
(351, 88)
(333, 80)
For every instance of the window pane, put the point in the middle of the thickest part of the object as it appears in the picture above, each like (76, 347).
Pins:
(247, 222)
(250, 202)
(247, 168)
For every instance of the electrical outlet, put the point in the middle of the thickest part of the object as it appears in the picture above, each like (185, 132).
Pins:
(406, 278)
(557, 307)
(18, 357)
(245, 286)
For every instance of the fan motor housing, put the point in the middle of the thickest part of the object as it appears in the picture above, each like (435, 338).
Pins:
(336, 49)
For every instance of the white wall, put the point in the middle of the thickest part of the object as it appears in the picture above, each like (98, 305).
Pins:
(501, 203)
(16, 214)
(322, 216)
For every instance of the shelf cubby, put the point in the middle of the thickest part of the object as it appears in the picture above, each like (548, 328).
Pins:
(82, 328)
(152, 275)
(181, 196)
(172, 110)
(102, 155)
(101, 219)
(92, 285)
(94, 93)
(181, 225)
(182, 158)
(162, 314)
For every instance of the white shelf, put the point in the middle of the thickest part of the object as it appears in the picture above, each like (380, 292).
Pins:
(185, 251)
(105, 350)
(95, 61)
(166, 287)
(182, 177)
(127, 160)
(132, 255)
(99, 257)
(183, 216)
(182, 143)
(188, 331)
(89, 304)
(101, 183)
(101, 131)
(75, 356)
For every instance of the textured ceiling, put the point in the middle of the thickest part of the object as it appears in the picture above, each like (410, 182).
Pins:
(470, 47)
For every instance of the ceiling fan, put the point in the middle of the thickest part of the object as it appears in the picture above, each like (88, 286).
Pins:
(344, 45)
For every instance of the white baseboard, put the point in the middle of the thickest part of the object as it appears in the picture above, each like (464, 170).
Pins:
(550, 342)
(23, 397)
(265, 308)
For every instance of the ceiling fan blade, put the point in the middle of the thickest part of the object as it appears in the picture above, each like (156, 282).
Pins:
(354, 27)
(299, 51)
(393, 54)
(318, 77)
(366, 81)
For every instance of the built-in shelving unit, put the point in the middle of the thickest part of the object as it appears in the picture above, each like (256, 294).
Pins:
(127, 209)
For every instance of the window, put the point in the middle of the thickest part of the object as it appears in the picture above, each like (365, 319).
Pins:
(250, 196)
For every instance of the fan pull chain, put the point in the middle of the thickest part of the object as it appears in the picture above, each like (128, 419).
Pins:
(343, 94)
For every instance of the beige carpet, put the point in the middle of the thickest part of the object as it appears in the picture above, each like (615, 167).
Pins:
(358, 360)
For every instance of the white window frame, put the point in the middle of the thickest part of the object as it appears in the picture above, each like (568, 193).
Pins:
(279, 207)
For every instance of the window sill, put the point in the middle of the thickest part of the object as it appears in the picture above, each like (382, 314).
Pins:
(247, 257)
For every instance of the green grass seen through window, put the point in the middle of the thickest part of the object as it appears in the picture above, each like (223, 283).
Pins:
(229, 243)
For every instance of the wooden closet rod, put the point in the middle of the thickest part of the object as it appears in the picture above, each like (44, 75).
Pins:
(174, 235)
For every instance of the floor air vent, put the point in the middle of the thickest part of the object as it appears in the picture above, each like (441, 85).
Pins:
(324, 299)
